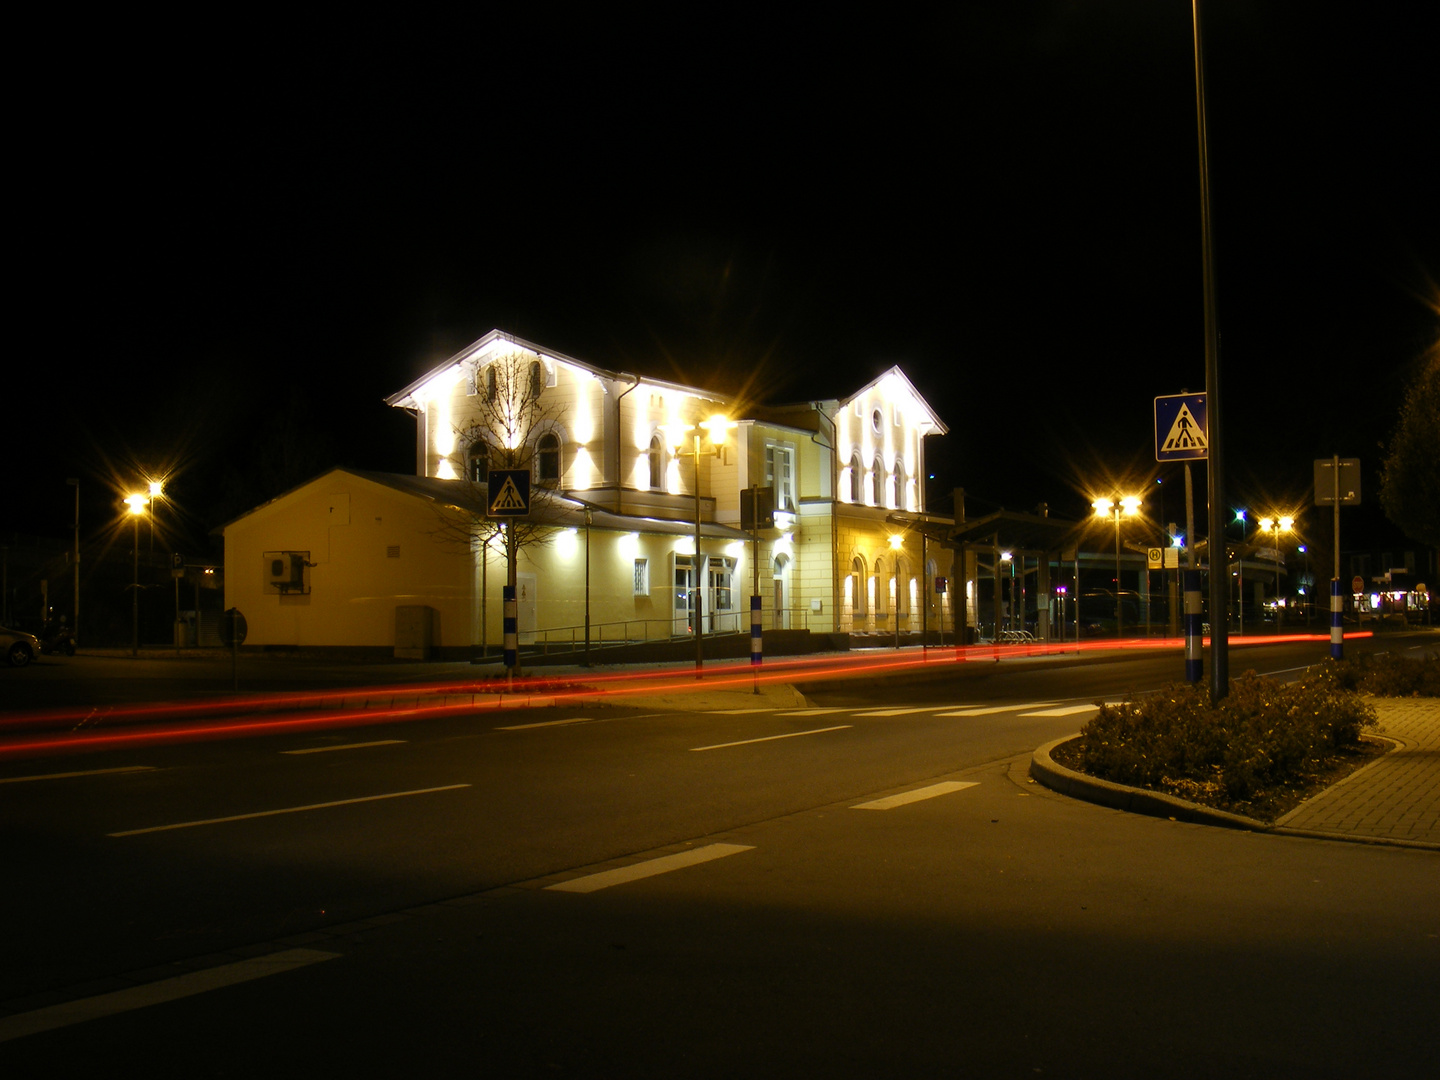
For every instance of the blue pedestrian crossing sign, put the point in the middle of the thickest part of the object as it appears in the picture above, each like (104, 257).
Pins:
(508, 493)
(1182, 431)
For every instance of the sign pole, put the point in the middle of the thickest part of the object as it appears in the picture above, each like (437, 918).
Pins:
(1337, 622)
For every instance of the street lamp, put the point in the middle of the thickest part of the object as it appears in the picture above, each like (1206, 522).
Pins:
(157, 492)
(1277, 525)
(136, 503)
(1129, 506)
(717, 426)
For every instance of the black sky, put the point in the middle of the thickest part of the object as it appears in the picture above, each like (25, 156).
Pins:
(236, 245)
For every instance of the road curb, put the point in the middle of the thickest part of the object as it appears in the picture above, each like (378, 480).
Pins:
(1045, 770)
(1133, 800)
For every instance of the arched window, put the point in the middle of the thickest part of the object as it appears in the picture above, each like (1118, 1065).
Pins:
(547, 458)
(882, 586)
(537, 379)
(898, 491)
(877, 483)
(903, 587)
(477, 463)
(656, 460)
(857, 572)
(856, 477)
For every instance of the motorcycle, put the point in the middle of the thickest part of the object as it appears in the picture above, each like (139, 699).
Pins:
(57, 638)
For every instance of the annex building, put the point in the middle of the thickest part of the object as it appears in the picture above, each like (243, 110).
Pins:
(619, 465)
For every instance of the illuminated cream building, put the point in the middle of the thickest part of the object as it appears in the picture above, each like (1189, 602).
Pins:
(360, 559)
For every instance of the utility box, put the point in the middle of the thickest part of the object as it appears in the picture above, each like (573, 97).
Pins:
(414, 632)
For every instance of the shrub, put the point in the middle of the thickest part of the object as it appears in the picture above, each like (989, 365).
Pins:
(1390, 675)
(1264, 733)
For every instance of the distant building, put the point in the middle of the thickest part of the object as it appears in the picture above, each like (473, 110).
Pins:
(368, 560)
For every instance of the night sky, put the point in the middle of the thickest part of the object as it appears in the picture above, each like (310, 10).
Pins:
(234, 245)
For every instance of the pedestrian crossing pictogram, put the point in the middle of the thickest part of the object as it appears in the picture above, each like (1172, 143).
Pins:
(508, 499)
(1185, 433)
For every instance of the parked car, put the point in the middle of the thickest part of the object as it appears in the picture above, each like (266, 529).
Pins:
(18, 647)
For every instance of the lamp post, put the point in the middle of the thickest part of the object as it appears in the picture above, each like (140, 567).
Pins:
(1276, 526)
(157, 492)
(1129, 506)
(1240, 568)
(716, 426)
(136, 503)
(74, 482)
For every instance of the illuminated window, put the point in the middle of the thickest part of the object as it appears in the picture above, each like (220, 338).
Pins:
(642, 577)
(780, 474)
(721, 572)
(477, 463)
(857, 573)
(882, 590)
(547, 458)
(656, 459)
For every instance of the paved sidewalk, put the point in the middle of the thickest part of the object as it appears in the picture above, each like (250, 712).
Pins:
(1396, 798)
(1393, 800)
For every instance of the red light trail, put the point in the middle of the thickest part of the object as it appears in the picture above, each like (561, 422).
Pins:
(101, 728)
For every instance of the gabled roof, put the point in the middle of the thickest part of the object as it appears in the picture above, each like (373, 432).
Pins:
(477, 351)
(928, 414)
(548, 507)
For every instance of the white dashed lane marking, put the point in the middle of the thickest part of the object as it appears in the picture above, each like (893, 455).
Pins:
(663, 865)
(772, 738)
(137, 997)
(345, 746)
(986, 710)
(918, 795)
(68, 775)
(286, 810)
(1063, 710)
(545, 723)
(901, 712)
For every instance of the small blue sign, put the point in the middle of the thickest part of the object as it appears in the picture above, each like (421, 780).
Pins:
(1182, 431)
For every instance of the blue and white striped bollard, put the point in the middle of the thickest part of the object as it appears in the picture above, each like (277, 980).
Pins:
(1194, 627)
(512, 642)
(1337, 626)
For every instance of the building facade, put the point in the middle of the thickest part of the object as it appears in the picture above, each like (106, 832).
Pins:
(625, 471)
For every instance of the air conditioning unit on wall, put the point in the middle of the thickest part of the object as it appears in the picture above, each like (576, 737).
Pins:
(285, 571)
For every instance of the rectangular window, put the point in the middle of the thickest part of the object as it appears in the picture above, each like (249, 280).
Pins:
(722, 572)
(642, 577)
(780, 474)
(682, 582)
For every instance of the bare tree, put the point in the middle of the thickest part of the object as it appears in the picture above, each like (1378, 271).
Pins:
(509, 426)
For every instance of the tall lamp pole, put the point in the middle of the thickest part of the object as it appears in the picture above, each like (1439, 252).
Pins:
(1276, 526)
(717, 426)
(136, 503)
(1129, 505)
(74, 482)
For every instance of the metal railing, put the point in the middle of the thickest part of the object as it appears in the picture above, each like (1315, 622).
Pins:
(642, 631)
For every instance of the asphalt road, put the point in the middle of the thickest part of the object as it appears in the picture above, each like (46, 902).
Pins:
(976, 925)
